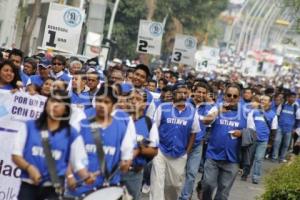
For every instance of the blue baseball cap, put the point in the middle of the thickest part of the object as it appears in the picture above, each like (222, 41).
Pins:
(126, 88)
(179, 84)
(45, 63)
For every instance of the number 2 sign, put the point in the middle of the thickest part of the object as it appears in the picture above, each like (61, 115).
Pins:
(150, 37)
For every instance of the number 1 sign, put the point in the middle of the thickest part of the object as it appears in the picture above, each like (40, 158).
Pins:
(150, 37)
(63, 28)
(184, 49)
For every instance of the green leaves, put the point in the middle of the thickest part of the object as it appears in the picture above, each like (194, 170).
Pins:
(195, 16)
(284, 182)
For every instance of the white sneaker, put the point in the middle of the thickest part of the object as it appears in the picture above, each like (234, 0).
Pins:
(146, 189)
(283, 161)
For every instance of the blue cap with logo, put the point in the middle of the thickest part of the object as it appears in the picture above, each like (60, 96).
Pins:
(45, 63)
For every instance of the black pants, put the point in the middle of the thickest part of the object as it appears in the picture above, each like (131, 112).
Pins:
(296, 149)
(33, 192)
(248, 154)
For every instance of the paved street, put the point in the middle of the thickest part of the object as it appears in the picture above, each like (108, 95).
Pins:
(243, 190)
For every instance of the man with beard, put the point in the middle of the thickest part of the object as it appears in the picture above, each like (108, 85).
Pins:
(177, 125)
(202, 104)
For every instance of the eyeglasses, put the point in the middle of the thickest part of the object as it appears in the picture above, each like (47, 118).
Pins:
(232, 96)
(57, 63)
(91, 80)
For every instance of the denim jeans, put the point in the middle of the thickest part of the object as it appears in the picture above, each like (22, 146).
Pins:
(282, 142)
(192, 166)
(218, 174)
(258, 159)
(147, 174)
(133, 182)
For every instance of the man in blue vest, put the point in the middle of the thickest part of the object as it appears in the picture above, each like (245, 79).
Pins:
(199, 100)
(288, 119)
(178, 124)
(264, 122)
(222, 155)
(147, 139)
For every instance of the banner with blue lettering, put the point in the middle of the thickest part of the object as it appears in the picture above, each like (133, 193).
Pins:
(14, 107)
(9, 173)
(21, 105)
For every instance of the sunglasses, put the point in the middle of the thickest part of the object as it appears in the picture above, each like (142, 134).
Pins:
(57, 63)
(232, 96)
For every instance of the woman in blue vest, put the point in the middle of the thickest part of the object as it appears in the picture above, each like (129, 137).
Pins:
(8, 76)
(117, 139)
(148, 140)
(65, 144)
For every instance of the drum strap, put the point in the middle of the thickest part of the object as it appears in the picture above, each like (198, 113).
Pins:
(99, 148)
(51, 163)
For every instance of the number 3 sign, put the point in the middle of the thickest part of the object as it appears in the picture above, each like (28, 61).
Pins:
(150, 37)
(184, 49)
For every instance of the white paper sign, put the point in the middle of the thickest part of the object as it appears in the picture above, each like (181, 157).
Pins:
(9, 173)
(184, 49)
(207, 59)
(150, 37)
(25, 107)
(63, 28)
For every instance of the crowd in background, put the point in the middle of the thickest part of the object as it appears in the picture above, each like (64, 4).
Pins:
(159, 126)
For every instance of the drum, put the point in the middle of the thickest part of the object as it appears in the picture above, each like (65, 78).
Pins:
(109, 193)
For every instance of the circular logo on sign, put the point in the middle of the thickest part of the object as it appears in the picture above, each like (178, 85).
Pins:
(190, 43)
(72, 17)
(156, 29)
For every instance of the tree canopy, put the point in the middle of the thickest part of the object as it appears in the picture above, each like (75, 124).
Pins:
(195, 17)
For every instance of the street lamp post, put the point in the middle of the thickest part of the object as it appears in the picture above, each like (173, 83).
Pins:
(252, 26)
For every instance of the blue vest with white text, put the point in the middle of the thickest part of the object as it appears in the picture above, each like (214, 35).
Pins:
(112, 137)
(221, 146)
(287, 117)
(175, 129)
(60, 142)
(261, 126)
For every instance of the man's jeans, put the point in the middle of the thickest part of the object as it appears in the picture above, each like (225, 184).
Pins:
(133, 181)
(220, 175)
(192, 166)
(282, 140)
(258, 160)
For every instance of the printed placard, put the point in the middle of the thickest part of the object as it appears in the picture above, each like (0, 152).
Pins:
(26, 107)
(63, 28)
(184, 49)
(150, 37)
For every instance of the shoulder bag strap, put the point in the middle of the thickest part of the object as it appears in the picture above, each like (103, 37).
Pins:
(51, 164)
(99, 147)
(266, 120)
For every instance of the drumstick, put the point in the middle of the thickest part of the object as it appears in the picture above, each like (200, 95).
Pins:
(81, 181)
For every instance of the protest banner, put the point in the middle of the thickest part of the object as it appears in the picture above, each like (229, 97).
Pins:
(25, 107)
(9, 173)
